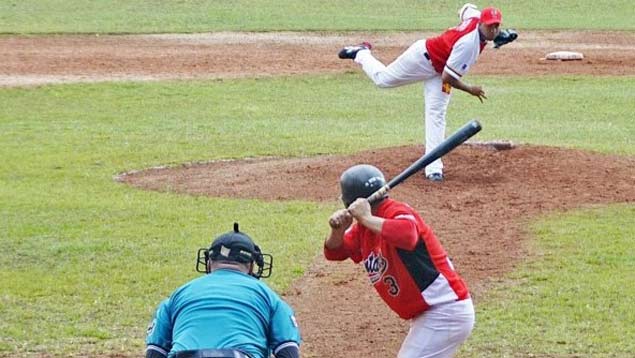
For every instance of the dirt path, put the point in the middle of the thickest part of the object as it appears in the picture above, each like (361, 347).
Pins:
(478, 213)
(37, 60)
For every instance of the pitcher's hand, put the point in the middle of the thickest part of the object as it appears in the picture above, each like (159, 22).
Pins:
(477, 91)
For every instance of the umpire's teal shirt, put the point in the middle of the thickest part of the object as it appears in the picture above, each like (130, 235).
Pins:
(223, 309)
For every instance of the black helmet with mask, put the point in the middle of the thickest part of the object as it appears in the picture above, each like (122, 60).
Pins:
(235, 246)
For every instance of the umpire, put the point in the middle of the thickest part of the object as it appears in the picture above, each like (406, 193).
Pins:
(228, 313)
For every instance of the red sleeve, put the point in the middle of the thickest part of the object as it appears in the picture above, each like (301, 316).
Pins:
(401, 231)
(350, 247)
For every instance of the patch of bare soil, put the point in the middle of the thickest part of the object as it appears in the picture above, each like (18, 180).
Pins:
(35, 60)
(478, 214)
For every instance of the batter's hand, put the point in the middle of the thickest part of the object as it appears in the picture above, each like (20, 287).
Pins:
(360, 209)
(477, 91)
(340, 220)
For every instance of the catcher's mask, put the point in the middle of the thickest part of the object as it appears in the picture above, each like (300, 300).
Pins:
(238, 247)
(360, 181)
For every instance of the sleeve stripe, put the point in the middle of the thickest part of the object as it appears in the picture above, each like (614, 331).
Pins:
(285, 345)
(152, 347)
(453, 73)
(407, 217)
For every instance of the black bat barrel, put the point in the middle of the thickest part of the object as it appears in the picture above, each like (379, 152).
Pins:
(453, 141)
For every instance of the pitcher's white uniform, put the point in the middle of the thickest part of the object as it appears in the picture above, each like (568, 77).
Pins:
(454, 52)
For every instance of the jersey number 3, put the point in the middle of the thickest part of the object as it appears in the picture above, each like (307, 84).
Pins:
(393, 288)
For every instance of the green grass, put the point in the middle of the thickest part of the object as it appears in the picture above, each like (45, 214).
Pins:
(94, 257)
(572, 298)
(586, 112)
(116, 16)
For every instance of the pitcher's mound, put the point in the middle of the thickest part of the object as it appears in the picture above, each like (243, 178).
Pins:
(478, 213)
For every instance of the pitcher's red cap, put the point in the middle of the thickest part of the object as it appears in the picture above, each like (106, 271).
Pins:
(491, 15)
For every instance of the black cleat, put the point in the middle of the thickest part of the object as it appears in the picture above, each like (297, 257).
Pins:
(351, 51)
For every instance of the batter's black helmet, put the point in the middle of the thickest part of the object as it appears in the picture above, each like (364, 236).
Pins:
(238, 247)
(360, 181)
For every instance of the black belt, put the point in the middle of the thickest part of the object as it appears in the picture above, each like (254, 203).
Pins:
(425, 54)
(209, 353)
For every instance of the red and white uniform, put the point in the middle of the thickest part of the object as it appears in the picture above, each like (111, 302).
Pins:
(457, 49)
(405, 263)
(454, 51)
(414, 276)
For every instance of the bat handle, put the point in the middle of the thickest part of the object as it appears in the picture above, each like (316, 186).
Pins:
(379, 194)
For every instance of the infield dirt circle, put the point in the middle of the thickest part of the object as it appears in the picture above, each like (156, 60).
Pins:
(478, 213)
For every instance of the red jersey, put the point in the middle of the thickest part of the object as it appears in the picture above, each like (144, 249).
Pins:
(464, 39)
(405, 263)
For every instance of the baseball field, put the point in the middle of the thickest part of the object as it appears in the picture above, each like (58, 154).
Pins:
(132, 133)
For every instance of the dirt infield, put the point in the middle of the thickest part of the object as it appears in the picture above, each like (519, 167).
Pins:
(478, 212)
(36, 60)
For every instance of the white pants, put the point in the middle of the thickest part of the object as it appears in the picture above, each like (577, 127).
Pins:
(439, 331)
(412, 66)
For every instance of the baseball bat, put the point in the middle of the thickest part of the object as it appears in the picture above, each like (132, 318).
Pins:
(453, 141)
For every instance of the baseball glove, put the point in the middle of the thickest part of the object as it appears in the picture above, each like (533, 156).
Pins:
(504, 37)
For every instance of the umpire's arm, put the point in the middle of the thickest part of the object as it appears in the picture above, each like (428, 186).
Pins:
(287, 350)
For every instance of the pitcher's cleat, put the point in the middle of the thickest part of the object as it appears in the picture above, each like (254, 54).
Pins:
(351, 51)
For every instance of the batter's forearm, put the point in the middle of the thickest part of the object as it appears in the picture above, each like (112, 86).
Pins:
(334, 250)
(373, 223)
(334, 240)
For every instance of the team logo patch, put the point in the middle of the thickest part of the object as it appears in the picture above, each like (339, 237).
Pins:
(376, 265)
(446, 88)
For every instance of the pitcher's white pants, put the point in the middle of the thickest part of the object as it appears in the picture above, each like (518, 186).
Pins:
(412, 66)
(439, 331)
